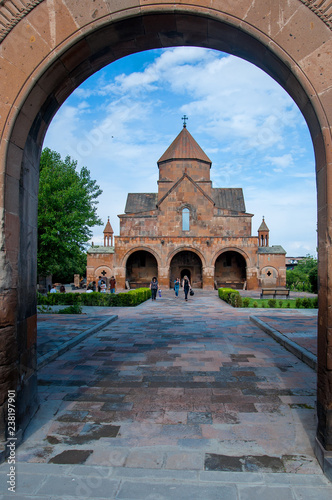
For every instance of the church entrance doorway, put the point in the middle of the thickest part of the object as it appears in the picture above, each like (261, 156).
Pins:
(185, 272)
(186, 263)
(141, 267)
(230, 270)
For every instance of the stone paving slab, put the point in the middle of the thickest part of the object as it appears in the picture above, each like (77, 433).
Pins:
(298, 326)
(73, 482)
(296, 331)
(153, 396)
(58, 333)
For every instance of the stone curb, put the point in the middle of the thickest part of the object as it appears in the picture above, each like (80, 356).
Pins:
(307, 357)
(53, 354)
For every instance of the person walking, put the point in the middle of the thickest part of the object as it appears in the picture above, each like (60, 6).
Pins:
(186, 286)
(176, 287)
(154, 288)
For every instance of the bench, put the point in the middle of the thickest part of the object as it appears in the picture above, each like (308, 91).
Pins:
(276, 292)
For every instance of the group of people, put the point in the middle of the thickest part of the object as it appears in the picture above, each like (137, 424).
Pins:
(154, 286)
(101, 286)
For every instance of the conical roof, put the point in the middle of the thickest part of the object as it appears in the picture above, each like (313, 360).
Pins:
(184, 147)
(263, 226)
(108, 228)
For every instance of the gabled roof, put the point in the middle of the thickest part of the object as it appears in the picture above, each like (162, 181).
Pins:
(229, 199)
(185, 176)
(141, 202)
(263, 226)
(184, 147)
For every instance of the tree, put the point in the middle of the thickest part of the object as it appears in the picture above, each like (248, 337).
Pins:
(67, 209)
(304, 276)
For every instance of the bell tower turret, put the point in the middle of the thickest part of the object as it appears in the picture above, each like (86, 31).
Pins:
(263, 234)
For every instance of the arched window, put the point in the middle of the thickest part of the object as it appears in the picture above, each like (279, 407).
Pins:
(185, 219)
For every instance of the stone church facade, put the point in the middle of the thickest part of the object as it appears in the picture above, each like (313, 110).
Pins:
(188, 228)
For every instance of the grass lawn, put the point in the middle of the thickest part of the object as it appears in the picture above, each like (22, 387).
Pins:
(280, 303)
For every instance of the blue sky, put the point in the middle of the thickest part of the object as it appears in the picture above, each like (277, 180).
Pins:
(120, 121)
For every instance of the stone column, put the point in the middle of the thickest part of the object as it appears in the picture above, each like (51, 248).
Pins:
(324, 353)
(163, 277)
(208, 277)
(252, 278)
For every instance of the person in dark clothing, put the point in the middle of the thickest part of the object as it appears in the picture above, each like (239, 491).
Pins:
(186, 286)
(112, 284)
(154, 288)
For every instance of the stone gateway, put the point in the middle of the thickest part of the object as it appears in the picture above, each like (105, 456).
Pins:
(48, 48)
(188, 228)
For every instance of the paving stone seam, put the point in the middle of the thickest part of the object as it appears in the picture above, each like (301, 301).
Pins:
(300, 352)
(52, 355)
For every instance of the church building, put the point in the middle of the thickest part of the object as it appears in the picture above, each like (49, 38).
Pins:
(188, 228)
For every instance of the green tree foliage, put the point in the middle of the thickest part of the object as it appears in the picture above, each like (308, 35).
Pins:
(304, 276)
(67, 210)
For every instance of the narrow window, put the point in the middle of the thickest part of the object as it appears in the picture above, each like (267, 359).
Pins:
(185, 219)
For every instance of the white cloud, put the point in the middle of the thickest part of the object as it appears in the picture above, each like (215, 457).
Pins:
(281, 162)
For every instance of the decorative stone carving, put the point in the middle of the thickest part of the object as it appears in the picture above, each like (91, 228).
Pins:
(12, 11)
(322, 8)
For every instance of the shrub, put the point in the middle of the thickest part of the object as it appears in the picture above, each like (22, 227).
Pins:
(272, 302)
(255, 304)
(263, 305)
(315, 302)
(306, 303)
(298, 303)
(225, 294)
(131, 298)
(44, 309)
(288, 305)
(74, 309)
(246, 302)
(232, 299)
(238, 300)
(280, 303)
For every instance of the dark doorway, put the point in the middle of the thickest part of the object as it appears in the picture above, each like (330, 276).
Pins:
(230, 270)
(141, 267)
(185, 272)
(186, 263)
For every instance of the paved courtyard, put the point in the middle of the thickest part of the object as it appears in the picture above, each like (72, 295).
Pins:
(174, 400)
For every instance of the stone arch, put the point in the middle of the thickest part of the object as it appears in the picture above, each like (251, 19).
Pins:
(230, 269)
(104, 271)
(141, 267)
(185, 248)
(186, 263)
(100, 269)
(268, 276)
(231, 249)
(69, 44)
(137, 249)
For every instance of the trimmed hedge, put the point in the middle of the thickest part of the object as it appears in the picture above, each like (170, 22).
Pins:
(230, 296)
(128, 299)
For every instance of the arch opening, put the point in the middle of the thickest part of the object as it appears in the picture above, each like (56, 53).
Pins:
(230, 270)
(186, 263)
(141, 267)
(56, 76)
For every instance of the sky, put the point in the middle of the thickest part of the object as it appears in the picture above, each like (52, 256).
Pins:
(121, 120)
